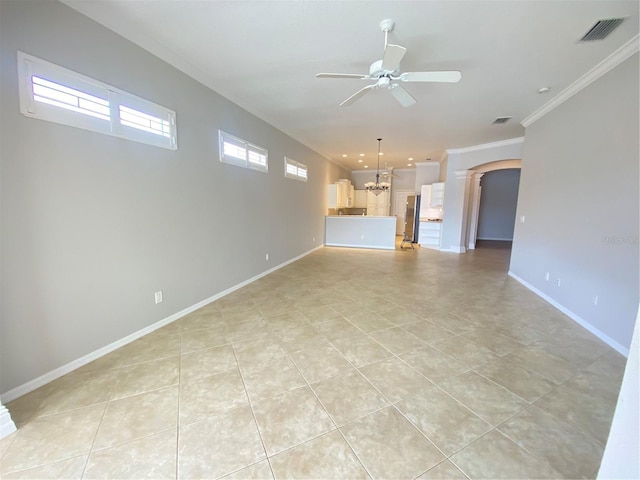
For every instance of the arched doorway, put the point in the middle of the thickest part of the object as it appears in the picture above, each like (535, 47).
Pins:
(475, 195)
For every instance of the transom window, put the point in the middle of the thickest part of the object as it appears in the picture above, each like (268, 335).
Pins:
(295, 170)
(53, 93)
(239, 152)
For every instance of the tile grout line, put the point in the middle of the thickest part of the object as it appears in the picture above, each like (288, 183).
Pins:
(178, 426)
(104, 412)
(329, 416)
(253, 414)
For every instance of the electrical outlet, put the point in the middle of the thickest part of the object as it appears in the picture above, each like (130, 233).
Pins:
(158, 297)
(557, 282)
(595, 300)
(522, 218)
(266, 257)
(546, 276)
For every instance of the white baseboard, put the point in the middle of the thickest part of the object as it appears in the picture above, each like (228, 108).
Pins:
(90, 357)
(7, 426)
(454, 249)
(582, 322)
(496, 239)
(354, 245)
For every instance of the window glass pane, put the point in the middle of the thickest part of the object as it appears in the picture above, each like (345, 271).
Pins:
(58, 95)
(235, 151)
(257, 158)
(292, 169)
(144, 121)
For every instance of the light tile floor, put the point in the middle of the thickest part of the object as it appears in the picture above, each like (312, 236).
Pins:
(345, 364)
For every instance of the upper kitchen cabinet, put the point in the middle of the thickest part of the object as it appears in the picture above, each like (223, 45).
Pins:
(360, 199)
(340, 194)
(431, 201)
(432, 195)
(378, 205)
(437, 195)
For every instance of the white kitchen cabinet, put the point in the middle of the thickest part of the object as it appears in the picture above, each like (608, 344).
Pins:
(360, 199)
(334, 197)
(431, 200)
(351, 196)
(378, 205)
(430, 234)
(437, 195)
(340, 195)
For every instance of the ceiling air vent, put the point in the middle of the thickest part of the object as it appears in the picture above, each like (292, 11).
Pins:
(601, 29)
(500, 120)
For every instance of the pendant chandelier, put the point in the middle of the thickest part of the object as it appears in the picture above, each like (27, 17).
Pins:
(377, 188)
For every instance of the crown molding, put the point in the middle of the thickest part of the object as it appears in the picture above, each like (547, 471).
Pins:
(486, 146)
(443, 156)
(427, 164)
(463, 174)
(608, 64)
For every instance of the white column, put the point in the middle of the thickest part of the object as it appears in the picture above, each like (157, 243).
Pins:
(6, 424)
(463, 192)
(620, 458)
(476, 191)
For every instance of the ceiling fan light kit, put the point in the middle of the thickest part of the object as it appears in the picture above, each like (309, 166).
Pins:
(386, 73)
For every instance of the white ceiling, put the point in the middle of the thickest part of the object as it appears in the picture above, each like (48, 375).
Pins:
(263, 55)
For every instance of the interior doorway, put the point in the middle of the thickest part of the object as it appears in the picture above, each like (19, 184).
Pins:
(499, 211)
(400, 208)
(497, 208)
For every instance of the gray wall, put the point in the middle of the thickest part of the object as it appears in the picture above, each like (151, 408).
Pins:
(579, 193)
(405, 179)
(498, 202)
(426, 174)
(92, 225)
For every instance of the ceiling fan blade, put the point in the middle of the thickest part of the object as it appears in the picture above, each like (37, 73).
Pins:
(451, 76)
(357, 95)
(341, 75)
(392, 56)
(404, 98)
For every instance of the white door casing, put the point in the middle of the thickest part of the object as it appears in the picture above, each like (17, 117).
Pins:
(400, 208)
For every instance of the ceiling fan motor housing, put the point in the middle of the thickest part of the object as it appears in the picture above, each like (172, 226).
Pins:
(376, 71)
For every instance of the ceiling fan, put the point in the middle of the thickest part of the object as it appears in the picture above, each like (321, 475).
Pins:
(387, 172)
(386, 73)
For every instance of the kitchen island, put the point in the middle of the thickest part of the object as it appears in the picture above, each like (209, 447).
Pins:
(360, 232)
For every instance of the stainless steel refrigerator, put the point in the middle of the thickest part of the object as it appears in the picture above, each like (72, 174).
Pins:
(410, 218)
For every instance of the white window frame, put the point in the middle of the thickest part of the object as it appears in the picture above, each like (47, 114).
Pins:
(247, 152)
(161, 132)
(295, 170)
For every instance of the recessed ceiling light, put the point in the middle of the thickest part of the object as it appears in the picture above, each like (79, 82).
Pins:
(362, 154)
(381, 153)
(344, 155)
(410, 159)
(409, 164)
(366, 166)
(543, 90)
(360, 161)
